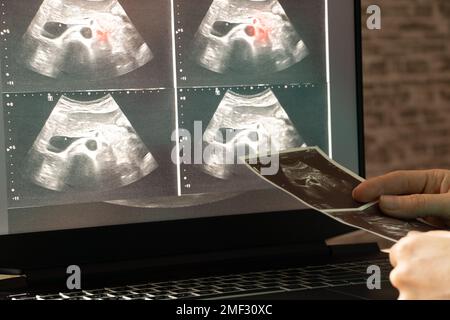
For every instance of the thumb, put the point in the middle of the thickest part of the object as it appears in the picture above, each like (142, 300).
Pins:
(417, 206)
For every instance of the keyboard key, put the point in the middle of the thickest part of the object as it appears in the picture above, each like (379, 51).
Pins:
(267, 284)
(99, 297)
(145, 290)
(137, 286)
(73, 294)
(184, 295)
(121, 293)
(49, 297)
(162, 297)
(205, 292)
(229, 289)
(294, 286)
(23, 298)
(335, 283)
(137, 296)
(315, 284)
(203, 288)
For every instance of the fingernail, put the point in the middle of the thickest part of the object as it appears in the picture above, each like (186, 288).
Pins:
(354, 193)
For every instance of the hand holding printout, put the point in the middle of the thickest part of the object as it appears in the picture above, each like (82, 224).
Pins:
(410, 194)
(311, 177)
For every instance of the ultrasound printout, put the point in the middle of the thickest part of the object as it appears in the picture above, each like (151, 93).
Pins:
(373, 220)
(312, 178)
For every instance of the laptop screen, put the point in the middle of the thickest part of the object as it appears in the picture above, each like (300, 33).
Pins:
(131, 111)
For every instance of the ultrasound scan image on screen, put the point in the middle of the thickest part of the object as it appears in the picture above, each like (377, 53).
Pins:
(109, 105)
(87, 146)
(255, 37)
(68, 45)
(83, 39)
(76, 148)
(247, 42)
(247, 120)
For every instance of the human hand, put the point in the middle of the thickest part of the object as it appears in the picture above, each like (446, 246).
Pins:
(409, 194)
(421, 264)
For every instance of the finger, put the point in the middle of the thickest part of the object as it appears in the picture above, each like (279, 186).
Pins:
(414, 233)
(416, 206)
(394, 278)
(402, 246)
(439, 233)
(395, 183)
(393, 254)
(402, 297)
(405, 296)
(393, 257)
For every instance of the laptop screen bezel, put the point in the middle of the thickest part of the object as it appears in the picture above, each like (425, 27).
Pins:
(123, 242)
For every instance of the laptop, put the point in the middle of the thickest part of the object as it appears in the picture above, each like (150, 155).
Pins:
(108, 110)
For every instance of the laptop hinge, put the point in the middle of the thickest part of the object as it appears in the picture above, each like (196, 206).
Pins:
(199, 261)
(194, 265)
(362, 249)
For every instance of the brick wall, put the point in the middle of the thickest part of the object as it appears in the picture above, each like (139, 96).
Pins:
(407, 86)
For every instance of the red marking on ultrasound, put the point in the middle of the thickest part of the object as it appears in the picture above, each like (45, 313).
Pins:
(102, 36)
(257, 30)
(263, 35)
(250, 31)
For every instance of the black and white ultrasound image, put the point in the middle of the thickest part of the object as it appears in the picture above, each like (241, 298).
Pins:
(308, 175)
(86, 45)
(246, 118)
(248, 42)
(374, 220)
(88, 147)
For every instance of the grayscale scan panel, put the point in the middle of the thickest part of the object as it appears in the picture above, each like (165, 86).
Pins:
(246, 118)
(254, 37)
(87, 39)
(90, 146)
(248, 42)
(87, 45)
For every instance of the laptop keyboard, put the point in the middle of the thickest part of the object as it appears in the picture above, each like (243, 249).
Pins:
(233, 285)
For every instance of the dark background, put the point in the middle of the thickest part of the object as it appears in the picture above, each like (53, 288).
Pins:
(152, 19)
(308, 18)
(305, 106)
(149, 112)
